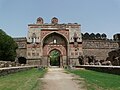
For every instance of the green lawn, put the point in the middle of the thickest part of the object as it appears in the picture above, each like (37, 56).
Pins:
(24, 80)
(98, 80)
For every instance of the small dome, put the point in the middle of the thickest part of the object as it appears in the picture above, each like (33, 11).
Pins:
(54, 20)
(40, 20)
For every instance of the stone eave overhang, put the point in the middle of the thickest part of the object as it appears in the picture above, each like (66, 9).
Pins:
(46, 24)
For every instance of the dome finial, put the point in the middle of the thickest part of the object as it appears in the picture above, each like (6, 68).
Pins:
(54, 20)
(40, 20)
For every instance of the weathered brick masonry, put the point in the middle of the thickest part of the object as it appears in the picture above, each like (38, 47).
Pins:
(98, 48)
(43, 38)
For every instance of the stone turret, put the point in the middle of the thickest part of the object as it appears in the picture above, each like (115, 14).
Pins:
(40, 20)
(54, 20)
(117, 38)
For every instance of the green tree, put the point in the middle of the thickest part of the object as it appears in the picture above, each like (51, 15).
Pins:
(7, 47)
(54, 56)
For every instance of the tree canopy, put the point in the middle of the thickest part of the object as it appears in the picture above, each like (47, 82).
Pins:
(54, 57)
(7, 47)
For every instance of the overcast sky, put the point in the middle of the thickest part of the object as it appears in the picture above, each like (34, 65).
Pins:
(97, 16)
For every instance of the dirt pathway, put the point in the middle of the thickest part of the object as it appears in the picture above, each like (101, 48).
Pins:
(57, 79)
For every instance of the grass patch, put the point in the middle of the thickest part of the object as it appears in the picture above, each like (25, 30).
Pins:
(66, 72)
(98, 80)
(24, 80)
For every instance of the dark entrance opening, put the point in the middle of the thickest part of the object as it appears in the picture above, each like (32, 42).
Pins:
(22, 60)
(55, 58)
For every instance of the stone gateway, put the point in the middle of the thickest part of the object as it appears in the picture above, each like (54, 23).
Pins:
(44, 40)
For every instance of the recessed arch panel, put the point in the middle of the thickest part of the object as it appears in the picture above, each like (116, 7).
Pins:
(49, 44)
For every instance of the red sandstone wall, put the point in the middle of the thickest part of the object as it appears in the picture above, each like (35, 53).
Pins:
(98, 48)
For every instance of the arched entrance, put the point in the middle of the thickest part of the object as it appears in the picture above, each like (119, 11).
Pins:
(54, 58)
(55, 42)
(22, 60)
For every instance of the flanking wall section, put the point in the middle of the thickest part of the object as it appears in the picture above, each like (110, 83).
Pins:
(8, 70)
(98, 48)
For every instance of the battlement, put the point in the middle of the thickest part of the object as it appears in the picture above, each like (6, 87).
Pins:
(54, 24)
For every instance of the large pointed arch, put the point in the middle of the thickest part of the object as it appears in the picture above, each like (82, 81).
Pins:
(47, 35)
(60, 44)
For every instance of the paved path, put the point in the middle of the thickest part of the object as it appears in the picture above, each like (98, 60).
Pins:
(57, 79)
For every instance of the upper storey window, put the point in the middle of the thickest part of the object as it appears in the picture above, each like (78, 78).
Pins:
(54, 41)
(33, 38)
(75, 37)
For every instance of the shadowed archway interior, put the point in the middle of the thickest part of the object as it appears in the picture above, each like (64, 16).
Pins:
(22, 60)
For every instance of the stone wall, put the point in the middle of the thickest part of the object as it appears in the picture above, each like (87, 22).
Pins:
(22, 46)
(34, 62)
(8, 70)
(98, 48)
(106, 69)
